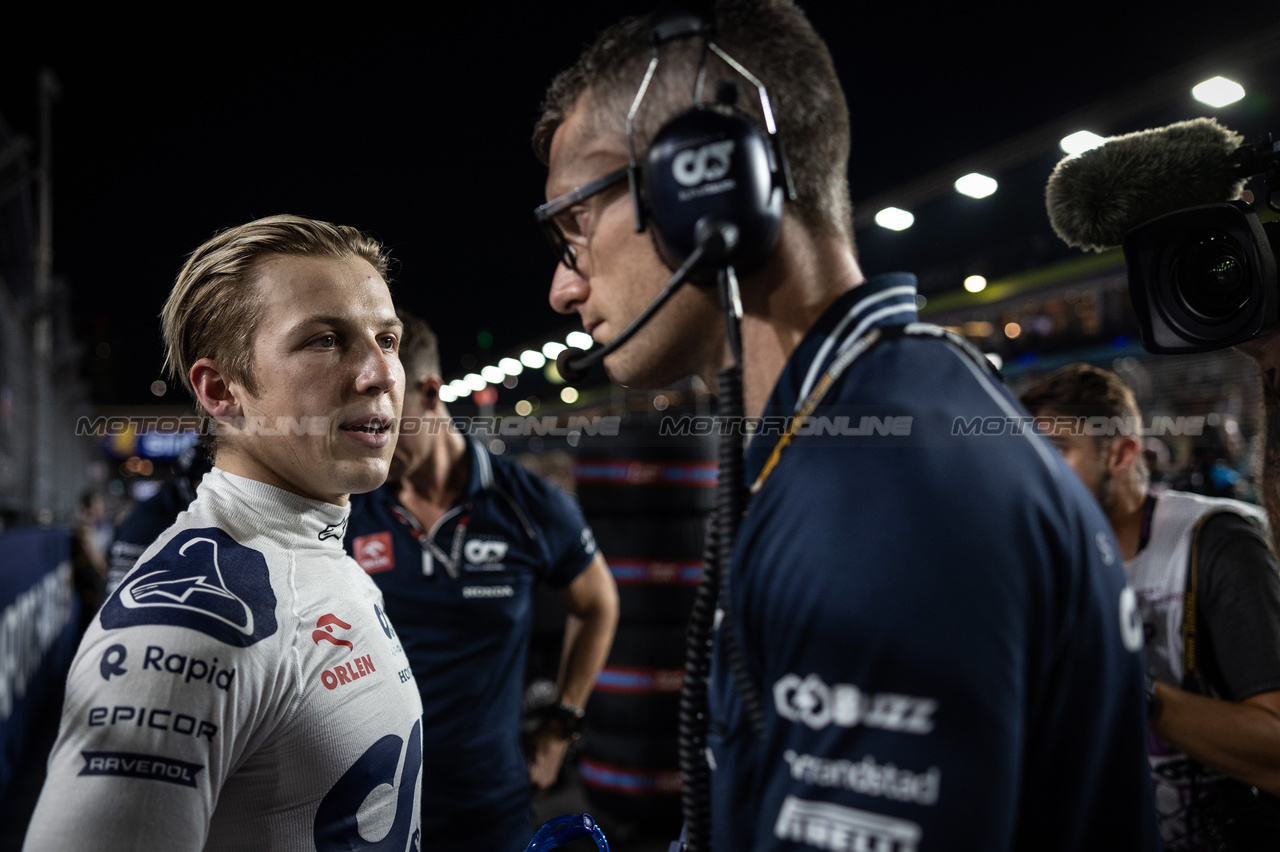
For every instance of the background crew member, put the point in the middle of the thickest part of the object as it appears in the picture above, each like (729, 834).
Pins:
(89, 539)
(1230, 720)
(148, 519)
(240, 689)
(936, 630)
(456, 540)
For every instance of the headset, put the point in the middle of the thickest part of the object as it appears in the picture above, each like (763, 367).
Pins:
(708, 167)
(712, 185)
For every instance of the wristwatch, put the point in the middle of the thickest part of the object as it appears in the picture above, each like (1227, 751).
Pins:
(570, 718)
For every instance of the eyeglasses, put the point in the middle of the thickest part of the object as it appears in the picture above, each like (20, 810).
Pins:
(546, 216)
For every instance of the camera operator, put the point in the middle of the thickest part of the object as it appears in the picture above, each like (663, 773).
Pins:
(1215, 702)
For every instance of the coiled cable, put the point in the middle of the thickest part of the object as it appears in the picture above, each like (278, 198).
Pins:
(731, 493)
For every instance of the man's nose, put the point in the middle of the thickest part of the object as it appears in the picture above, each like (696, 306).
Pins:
(379, 370)
(568, 290)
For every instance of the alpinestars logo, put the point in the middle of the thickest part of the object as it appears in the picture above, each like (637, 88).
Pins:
(203, 580)
(334, 530)
(707, 164)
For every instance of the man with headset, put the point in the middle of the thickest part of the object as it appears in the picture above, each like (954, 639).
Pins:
(924, 638)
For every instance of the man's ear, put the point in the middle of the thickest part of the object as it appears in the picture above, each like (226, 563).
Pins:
(214, 390)
(429, 387)
(1125, 450)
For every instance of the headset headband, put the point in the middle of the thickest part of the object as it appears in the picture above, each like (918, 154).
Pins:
(674, 20)
(671, 22)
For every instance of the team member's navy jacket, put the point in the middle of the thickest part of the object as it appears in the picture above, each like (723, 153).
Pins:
(459, 596)
(934, 616)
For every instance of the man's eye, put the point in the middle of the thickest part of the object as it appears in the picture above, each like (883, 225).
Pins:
(327, 341)
(573, 223)
(390, 342)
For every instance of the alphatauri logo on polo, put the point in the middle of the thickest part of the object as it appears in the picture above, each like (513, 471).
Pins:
(483, 551)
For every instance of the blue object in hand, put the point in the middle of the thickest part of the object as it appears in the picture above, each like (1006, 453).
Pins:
(563, 829)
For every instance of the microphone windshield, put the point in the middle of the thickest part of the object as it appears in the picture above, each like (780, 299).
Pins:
(1095, 198)
(569, 371)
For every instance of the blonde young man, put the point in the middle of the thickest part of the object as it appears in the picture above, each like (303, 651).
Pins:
(243, 689)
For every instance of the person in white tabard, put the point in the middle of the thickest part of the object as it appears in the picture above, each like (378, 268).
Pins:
(1214, 679)
(242, 688)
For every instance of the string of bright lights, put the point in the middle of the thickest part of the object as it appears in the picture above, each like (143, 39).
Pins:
(497, 374)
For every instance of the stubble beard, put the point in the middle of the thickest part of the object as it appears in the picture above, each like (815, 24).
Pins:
(1107, 493)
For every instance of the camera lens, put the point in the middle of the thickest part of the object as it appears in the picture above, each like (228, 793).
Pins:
(1211, 277)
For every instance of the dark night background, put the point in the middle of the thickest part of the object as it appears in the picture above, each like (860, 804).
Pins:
(415, 124)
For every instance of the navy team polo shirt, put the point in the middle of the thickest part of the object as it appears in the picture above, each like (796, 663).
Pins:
(934, 617)
(460, 599)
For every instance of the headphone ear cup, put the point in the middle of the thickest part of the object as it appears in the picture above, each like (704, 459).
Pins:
(712, 162)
